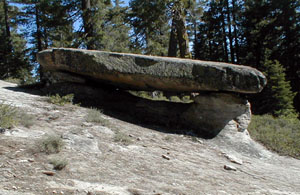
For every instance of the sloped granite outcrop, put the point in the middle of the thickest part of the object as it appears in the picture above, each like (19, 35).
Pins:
(140, 72)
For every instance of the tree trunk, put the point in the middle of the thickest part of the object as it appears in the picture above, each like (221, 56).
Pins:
(229, 32)
(8, 44)
(38, 35)
(87, 23)
(182, 36)
(7, 29)
(195, 34)
(237, 48)
(172, 52)
(210, 50)
(38, 29)
(224, 34)
(45, 38)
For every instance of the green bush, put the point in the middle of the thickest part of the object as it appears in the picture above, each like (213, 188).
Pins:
(61, 100)
(11, 116)
(22, 77)
(95, 116)
(175, 99)
(123, 138)
(25, 119)
(58, 163)
(278, 134)
(51, 144)
(13, 80)
(8, 116)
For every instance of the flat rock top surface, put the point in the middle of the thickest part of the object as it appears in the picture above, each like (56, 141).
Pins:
(143, 72)
(153, 163)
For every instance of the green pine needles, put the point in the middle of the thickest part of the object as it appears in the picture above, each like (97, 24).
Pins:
(277, 96)
(280, 89)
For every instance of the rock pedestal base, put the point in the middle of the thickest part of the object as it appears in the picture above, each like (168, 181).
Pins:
(211, 112)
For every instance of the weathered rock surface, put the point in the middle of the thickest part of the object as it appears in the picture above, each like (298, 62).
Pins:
(140, 72)
(211, 112)
(196, 166)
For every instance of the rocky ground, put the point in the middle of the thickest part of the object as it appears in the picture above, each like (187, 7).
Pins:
(147, 161)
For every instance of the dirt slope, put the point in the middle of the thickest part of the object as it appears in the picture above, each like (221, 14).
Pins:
(153, 163)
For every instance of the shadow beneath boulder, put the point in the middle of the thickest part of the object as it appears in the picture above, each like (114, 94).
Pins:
(164, 116)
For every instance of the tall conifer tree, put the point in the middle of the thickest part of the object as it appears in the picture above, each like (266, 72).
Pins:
(13, 60)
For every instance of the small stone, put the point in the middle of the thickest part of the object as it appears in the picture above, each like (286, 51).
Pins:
(199, 141)
(86, 124)
(23, 161)
(138, 139)
(14, 187)
(164, 148)
(54, 192)
(30, 160)
(229, 168)
(49, 173)
(2, 130)
(165, 157)
(233, 159)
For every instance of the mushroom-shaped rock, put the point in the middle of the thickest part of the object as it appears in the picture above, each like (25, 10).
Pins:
(141, 72)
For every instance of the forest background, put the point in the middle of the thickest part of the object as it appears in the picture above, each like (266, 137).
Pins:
(264, 34)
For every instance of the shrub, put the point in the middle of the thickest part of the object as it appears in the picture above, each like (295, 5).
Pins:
(8, 116)
(58, 163)
(51, 144)
(123, 138)
(25, 119)
(278, 134)
(61, 100)
(95, 116)
(22, 77)
(175, 99)
(13, 80)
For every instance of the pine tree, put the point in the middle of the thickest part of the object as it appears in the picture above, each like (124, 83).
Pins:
(48, 24)
(277, 97)
(286, 51)
(160, 26)
(219, 37)
(149, 20)
(212, 36)
(116, 31)
(13, 59)
(179, 35)
(94, 15)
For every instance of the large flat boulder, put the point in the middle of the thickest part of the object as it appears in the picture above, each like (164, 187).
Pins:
(141, 72)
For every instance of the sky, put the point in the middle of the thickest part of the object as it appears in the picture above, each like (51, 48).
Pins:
(126, 2)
